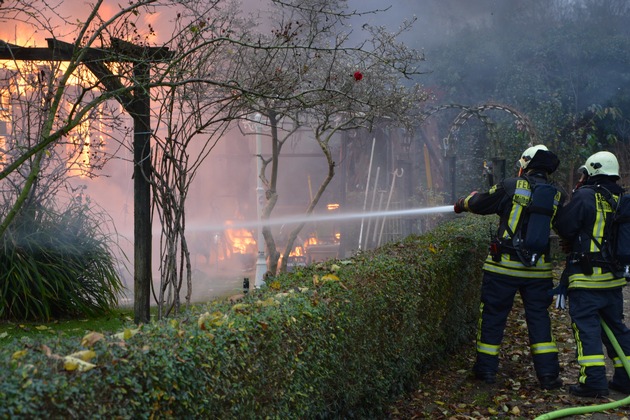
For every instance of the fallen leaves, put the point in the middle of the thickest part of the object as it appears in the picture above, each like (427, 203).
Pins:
(91, 338)
(451, 392)
(84, 355)
(19, 354)
(209, 320)
(73, 363)
(81, 360)
(127, 333)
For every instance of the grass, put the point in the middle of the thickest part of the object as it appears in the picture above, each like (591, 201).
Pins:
(110, 323)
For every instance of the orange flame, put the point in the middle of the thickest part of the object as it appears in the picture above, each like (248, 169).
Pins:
(241, 240)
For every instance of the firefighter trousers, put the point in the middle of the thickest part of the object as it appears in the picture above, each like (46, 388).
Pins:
(497, 298)
(587, 308)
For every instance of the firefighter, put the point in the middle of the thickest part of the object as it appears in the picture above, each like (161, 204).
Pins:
(594, 292)
(505, 273)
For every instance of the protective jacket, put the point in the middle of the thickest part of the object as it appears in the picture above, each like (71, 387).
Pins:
(582, 223)
(509, 200)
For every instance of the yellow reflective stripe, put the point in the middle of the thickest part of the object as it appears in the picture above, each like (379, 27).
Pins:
(479, 322)
(522, 192)
(597, 280)
(592, 360)
(467, 199)
(586, 360)
(597, 285)
(600, 221)
(556, 204)
(522, 196)
(515, 215)
(491, 349)
(556, 201)
(580, 352)
(517, 269)
(541, 348)
(576, 334)
(506, 261)
(603, 208)
(524, 273)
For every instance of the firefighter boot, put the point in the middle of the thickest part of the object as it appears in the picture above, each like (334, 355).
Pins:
(487, 377)
(550, 382)
(581, 390)
(619, 388)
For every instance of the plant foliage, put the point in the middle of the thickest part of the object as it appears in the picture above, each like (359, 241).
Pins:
(57, 264)
(340, 339)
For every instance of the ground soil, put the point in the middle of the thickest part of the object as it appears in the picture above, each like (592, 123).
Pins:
(451, 392)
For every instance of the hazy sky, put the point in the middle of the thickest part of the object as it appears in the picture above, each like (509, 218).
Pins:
(435, 18)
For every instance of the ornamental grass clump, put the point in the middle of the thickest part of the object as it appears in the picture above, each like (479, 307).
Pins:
(56, 265)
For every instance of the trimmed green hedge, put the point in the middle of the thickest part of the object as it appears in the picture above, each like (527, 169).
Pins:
(340, 339)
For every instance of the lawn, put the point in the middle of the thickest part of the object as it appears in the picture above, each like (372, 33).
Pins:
(109, 323)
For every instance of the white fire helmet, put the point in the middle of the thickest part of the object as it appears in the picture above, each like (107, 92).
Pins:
(528, 155)
(602, 163)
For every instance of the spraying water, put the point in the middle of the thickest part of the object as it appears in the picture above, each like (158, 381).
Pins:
(330, 217)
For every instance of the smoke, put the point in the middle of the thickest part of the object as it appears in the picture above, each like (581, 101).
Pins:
(225, 188)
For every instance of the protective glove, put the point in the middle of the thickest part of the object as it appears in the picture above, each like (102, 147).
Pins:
(561, 297)
(459, 205)
(561, 291)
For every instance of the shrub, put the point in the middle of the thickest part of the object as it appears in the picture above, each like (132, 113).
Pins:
(57, 264)
(339, 339)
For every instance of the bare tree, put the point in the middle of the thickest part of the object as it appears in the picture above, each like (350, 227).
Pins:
(288, 76)
(195, 109)
(313, 76)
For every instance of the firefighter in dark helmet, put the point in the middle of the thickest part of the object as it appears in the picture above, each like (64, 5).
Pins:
(507, 272)
(594, 291)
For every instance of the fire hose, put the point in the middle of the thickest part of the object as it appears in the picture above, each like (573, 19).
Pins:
(600, 407)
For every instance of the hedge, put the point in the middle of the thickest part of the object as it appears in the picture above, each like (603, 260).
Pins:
(336, 339)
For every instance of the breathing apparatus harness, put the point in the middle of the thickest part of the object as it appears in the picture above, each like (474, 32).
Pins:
(613, 248)
(529, 223)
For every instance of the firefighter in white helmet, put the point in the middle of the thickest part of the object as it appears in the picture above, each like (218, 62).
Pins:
(506, 272)
(594, 289)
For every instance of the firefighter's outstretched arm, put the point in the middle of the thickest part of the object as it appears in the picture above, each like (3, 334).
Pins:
(481, 203)
(461, 204)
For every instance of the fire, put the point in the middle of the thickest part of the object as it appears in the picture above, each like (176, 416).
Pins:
(34, 83)
(298, 251)
(241, 240)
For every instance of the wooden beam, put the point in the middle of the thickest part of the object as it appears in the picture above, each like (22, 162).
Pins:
(15, 52)
(121, 51)
(136, 52)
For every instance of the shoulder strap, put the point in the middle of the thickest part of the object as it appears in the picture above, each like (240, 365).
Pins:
(512, 193)
(608, 196)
